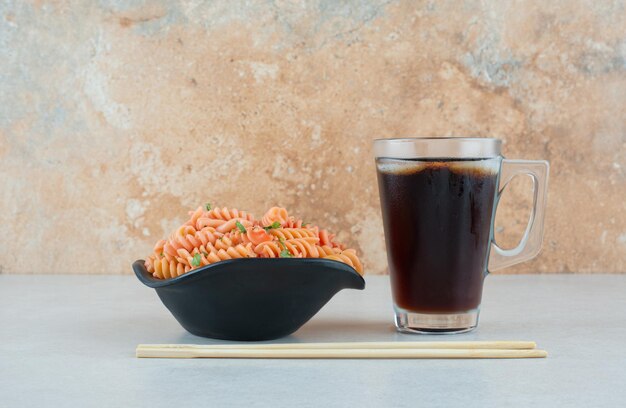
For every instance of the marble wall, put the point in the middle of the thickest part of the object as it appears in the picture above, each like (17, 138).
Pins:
(118, 116)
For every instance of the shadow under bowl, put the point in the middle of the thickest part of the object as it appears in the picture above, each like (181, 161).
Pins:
(251, 299)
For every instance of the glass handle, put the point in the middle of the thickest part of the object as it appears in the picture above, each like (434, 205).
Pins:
(530, 244)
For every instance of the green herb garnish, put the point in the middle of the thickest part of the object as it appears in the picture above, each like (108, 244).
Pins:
(285, 252)
(274, 225)
(240, 227)
(197, 258)
(208, 206)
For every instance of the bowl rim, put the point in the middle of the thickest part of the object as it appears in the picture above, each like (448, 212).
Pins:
(215, 268)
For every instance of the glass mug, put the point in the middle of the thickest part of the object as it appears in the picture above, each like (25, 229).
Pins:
(438, 198)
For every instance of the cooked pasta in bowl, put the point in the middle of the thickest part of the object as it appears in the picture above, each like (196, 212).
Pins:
(225, 274)
(216, 234)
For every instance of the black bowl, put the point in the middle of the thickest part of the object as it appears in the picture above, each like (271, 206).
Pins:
(251, 299)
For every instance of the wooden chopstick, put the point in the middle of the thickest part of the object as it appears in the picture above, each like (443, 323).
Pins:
(345, 351)
(508, 345)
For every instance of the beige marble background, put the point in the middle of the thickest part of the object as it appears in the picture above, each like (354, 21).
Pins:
(118, 116)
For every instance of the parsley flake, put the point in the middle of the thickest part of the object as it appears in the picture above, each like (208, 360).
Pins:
(274, 225)
(208, 206)
(285, 252)
(240, 227)
(197, 258)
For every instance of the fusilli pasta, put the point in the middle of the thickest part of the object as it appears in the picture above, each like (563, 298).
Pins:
(214, 235)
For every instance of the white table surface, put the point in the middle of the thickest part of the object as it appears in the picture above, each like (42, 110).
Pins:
(69, 341)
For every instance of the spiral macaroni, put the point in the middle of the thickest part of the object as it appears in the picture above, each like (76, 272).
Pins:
(292, 233)
(218, 234)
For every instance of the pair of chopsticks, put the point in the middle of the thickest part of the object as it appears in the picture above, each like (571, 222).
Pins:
(352, 350)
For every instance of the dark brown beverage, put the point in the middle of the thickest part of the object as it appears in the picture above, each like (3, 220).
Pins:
(437, 216)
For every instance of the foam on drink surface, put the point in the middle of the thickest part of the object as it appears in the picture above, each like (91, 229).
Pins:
(411, 166)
